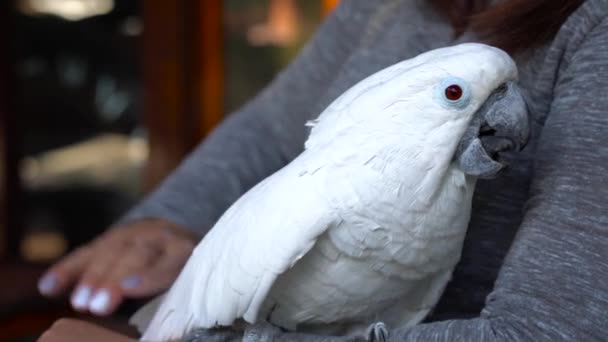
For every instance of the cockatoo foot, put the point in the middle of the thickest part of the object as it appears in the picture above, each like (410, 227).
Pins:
(261, 332)
(211, 335)
(377, 332)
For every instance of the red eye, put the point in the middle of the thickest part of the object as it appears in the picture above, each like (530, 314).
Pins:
(453, 92)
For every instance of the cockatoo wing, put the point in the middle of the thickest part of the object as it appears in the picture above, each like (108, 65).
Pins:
(234, 267)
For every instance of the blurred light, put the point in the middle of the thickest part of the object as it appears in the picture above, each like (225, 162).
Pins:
(105, 160)
(114, 106)
(280, 29)
(327, 6)
(72, 71)
(137, 150)
(30, 168)
(43, 246)
(110, 101)
(68, 9)
(32, 67)
(132, 26)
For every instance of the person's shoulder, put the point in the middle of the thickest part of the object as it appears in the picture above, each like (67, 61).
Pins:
(353, 13)
(355, 7)
(595, 11)
(350, 9)
(590, 17)
(584, 33)
(590, 22)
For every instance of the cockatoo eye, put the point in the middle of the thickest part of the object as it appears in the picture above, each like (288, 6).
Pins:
(453, 92)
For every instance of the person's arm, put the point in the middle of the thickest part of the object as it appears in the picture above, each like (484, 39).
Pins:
(263, 136)
(145, 251)
(553, 285)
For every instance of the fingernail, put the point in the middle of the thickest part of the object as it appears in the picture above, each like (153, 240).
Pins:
(46, 285)
(130, 282)
(99, 303)
(81, 297)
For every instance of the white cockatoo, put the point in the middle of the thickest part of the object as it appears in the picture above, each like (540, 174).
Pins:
(367, 223)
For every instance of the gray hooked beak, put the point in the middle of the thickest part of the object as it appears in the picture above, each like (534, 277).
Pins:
(500, 125)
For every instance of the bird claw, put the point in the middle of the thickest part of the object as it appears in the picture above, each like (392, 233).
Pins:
(377, 332)
(210, 335)
(260, 332)
(266, 332)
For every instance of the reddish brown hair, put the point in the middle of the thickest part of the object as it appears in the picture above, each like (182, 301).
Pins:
(513, 25)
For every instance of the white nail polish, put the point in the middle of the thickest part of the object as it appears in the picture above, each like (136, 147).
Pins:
(81, 297)
(99, 303)
(46, 285)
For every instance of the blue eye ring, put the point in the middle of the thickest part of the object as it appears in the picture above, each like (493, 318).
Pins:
(453, 92)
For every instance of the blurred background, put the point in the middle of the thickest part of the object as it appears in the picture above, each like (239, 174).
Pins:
(100, 100)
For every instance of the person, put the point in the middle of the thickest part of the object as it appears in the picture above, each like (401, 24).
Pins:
(534, 265)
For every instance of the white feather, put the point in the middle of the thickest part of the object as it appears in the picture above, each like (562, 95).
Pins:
(372, 213)
(233, 268)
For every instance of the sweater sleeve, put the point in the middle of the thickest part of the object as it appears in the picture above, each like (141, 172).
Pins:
(553, 285)
(261, 137)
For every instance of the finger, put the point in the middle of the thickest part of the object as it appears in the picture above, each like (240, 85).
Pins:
(105, 300)
(110, 293)
(64, 273)
(104, 258)
(160, 275)
(154, 281)
(96, 292)
(137, 259)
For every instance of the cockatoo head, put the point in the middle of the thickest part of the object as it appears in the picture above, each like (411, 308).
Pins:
(459, 103)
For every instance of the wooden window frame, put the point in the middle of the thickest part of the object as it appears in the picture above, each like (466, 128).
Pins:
(9, 179)
(183, 79)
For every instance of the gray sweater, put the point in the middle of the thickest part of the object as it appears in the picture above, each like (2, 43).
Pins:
(535, 261)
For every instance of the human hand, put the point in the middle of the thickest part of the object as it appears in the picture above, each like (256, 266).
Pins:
(136, 260)
(66, 330)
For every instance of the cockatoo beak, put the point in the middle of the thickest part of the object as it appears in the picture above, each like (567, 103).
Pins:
(502, 124)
